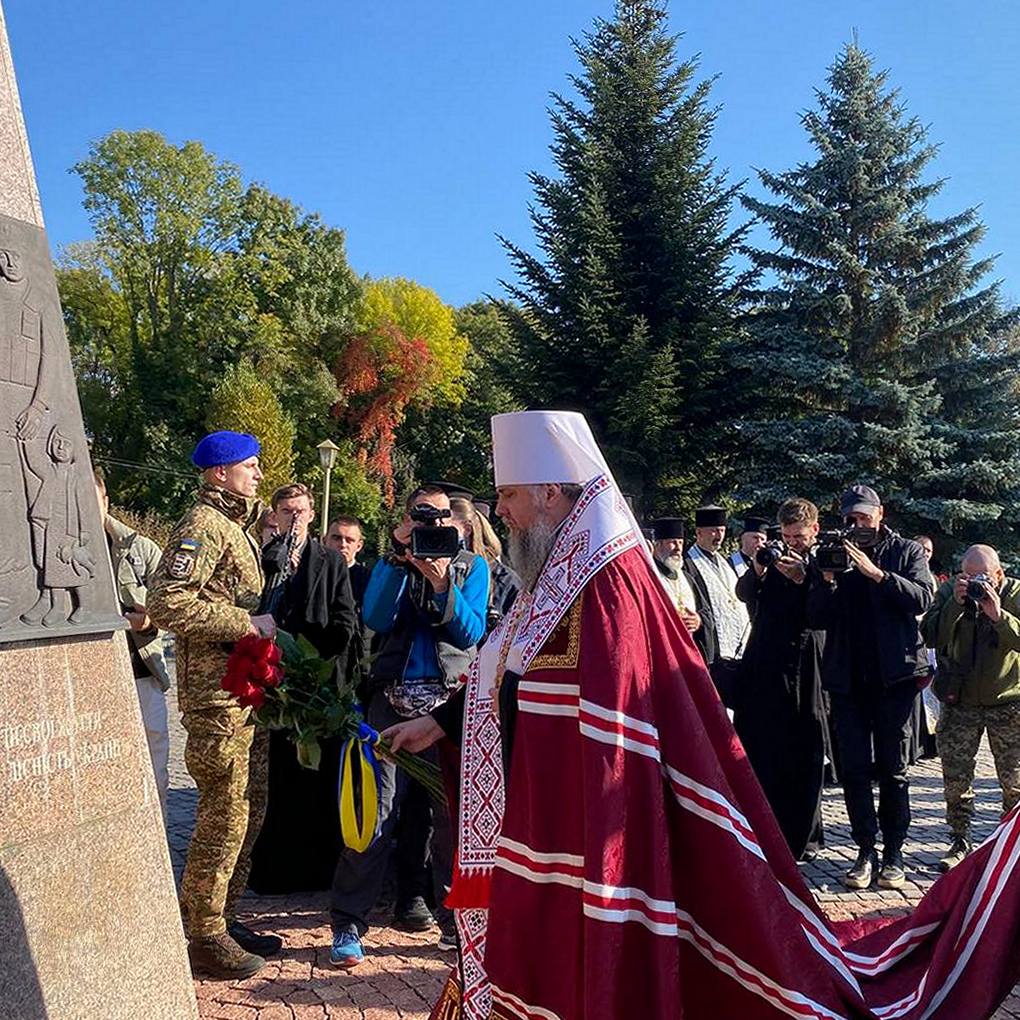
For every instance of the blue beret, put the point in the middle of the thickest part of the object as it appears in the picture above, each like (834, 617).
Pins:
(224, 448)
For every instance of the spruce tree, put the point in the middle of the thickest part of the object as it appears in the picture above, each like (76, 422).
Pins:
(623, 311)
(874, 351)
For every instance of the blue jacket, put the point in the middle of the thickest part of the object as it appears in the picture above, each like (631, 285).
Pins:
(426, 635)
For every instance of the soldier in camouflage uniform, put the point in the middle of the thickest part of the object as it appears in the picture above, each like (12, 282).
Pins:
(205, 590)
(977, 644)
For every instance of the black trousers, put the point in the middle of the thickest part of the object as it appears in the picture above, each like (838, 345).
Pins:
(873, 730)
(359, 877)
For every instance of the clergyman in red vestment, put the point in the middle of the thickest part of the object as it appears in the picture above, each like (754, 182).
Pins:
(616, 856)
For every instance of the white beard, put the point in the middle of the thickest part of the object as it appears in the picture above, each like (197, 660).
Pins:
(675, 562)
(530, 549)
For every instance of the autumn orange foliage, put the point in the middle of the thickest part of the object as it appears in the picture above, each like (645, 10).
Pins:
(379, 374)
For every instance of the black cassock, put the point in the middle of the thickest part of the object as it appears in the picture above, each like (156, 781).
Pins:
(300, 838)
(779, 710)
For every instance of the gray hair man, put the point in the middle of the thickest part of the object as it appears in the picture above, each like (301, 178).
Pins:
(974, 626)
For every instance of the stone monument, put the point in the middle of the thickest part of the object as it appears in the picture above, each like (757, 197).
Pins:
(89, 923)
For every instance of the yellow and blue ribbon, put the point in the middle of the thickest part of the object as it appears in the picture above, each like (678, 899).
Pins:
(359, 800)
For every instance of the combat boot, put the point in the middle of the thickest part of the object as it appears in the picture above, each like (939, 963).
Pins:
(959, 849)
(220, 957)
(262, 945)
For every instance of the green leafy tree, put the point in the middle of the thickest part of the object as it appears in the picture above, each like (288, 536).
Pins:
(189, 273)
(623, 313)
(444, 444)
(872, 339)
(244, 402)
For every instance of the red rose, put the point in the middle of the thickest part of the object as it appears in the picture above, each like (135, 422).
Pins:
(256, 699)
(248, 646)
(274, 655)
(275, 676)
(261, 671)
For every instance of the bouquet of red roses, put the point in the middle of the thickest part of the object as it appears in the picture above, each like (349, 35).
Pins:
(291, 687)
(253, 667)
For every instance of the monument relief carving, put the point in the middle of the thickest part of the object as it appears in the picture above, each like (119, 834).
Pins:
(54, 575)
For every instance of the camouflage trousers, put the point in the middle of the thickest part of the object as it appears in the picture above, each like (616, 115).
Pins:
(959, 735)
(229, 760)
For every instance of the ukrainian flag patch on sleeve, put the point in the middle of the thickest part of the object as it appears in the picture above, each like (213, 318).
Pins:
(185, 556)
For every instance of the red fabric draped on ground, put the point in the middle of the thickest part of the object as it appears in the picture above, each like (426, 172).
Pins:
(640, 872)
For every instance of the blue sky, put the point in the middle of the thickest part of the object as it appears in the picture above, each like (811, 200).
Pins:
(413, 125)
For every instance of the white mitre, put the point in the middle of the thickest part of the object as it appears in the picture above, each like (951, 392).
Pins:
(544, 447)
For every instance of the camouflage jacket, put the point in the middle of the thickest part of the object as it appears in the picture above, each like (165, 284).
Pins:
(204, 590)
(978, 661)
(135, 559)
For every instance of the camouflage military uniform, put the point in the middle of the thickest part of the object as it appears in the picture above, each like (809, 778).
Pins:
(978, 682)
(206, 586)
(959, 734)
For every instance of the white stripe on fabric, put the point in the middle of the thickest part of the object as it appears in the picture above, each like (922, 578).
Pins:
(781, 998)
(629, 892)
(904, 1005)
(968, 951)
(612, 715)
(723, 823)
(536, 687)
(520, 1008)
(708, 793)
(540, 856)
(539, 877)
(615, 916)
(834, 961)
(618, 740)
(872, 965)
(986, 876)
(544, 708)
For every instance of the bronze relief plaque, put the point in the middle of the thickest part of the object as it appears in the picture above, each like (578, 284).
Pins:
(55, 577)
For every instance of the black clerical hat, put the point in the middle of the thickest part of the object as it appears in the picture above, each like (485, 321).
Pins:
(756, 524)
(711, 516)
(668, 527)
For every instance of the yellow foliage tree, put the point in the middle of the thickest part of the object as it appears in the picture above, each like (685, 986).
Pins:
(419, 314)
(244, 402)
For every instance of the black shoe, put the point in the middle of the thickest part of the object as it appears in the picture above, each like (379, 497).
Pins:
(959, 849)
(892, 875)
(414, 916)
(863, 871)
(261, 945)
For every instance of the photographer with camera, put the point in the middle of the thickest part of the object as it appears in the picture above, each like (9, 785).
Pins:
(866, 594)
(779, 706)
(427, 599)
(974, 627)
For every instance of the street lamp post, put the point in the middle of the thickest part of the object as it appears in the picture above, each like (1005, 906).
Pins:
(327, 458)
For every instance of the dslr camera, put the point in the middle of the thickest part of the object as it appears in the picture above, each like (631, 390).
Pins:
(830, 551)
(976, 587)
(770, 553)
(432, 540)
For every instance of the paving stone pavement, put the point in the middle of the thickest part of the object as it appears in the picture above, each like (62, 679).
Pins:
(403, 973)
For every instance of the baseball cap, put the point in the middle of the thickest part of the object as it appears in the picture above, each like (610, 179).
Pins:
(859, 499)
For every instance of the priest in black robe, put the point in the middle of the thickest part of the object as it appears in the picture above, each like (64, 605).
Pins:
(779, 710)
(309, 594)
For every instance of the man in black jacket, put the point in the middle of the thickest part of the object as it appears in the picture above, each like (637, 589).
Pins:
(873, 660)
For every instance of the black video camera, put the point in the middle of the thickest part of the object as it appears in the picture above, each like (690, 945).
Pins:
(432, 540)
(830, 552)
(770, 553)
